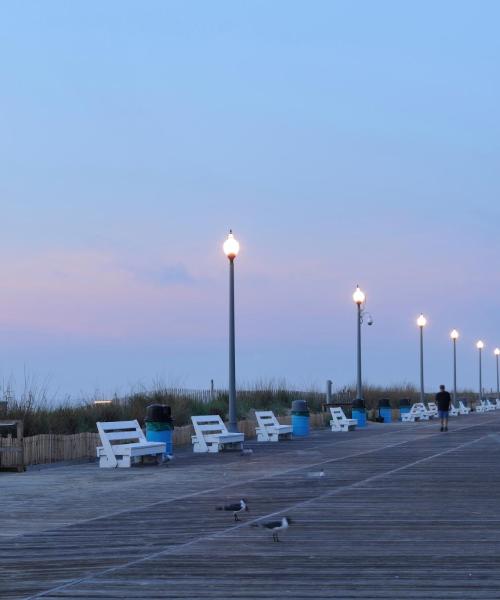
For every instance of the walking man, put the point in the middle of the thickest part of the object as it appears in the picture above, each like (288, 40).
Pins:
(443, 400)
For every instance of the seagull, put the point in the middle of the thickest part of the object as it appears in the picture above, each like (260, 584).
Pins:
(275, 526)
(235, 508)
(316, 474)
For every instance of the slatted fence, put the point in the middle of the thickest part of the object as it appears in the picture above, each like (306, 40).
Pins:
(50, 448)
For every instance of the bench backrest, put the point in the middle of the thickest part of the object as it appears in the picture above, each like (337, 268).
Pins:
(338, 413)
(206, 425)
(266, 418)
(417, 409)
(119, 431)
(432, 406)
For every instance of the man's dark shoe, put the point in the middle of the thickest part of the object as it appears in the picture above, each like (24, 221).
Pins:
(442, 428)
(446, 428)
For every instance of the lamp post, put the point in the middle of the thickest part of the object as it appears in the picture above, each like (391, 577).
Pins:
(480, 346)
(454, 336)
(422, 322)
(359, 404)
(231, 248)
(497, 354)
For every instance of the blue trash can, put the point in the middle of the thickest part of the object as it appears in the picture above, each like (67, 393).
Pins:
(359, 412)
(404, 406)
(160, 426)
(385, 410)
(300, 418)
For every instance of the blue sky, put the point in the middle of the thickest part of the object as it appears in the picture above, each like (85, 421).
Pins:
(343, 142)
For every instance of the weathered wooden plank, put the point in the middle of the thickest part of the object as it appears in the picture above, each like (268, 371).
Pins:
(402, 512)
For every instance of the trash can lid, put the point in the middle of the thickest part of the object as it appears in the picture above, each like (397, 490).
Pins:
(158, 412)
(299, 406)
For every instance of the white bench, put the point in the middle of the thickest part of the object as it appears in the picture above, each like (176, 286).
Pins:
(497, 402)
(425, 415)
(211, 435)
(462, 409)
(481, 407)
(132, 444)
(269, 429)
(490, 405)
(454, 411)
(340, 422)
(414, 414)
(432, 409)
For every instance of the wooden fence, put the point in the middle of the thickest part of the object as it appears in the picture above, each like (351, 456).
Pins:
(50, 448)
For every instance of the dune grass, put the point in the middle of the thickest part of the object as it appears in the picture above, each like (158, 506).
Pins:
(40, 415)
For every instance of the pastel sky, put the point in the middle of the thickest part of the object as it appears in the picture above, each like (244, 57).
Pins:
(344, 142)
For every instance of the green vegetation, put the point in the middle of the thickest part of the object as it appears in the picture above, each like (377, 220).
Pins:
(40, 416)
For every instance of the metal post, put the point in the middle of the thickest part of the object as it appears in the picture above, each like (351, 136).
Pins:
(454, 371)
(422, 393)
(498, 380)
(359, 387)
(480, 374)
(212, 395)
(328, 391)
(233, 419)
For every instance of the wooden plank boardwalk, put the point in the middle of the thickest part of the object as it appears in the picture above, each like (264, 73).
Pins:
(403, 511)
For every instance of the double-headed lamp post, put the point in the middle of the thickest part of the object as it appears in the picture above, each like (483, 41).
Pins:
(422, 322)
(497, 354)
(231, 248)
(480, 346)
(359, 404)
(454, 337)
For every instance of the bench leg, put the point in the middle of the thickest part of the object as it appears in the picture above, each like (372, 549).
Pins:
(105, 464)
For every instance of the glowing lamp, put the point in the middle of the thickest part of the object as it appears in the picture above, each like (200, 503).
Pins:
(231, 246)
(358, 296)
(421, 321)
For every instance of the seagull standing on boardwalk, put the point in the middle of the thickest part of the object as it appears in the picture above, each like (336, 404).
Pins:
(275, 526)
(237, 507)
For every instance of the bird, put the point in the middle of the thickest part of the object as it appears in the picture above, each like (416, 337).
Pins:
(316, 474)
(275, 526)
(235, 508)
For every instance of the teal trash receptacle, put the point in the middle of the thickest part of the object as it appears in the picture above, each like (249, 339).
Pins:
(385, 410)
(300, 418)
(160, 426)
(359, 412)
(404, 406)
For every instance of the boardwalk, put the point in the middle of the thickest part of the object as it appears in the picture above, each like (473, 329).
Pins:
(403, 511)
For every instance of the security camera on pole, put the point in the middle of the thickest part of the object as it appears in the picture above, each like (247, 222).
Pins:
(358, 406)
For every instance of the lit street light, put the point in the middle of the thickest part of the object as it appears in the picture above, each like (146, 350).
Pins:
(497, 354)
(480, 346)
(454, 336)
(359, 405)
(422, 322)
(231, 248)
